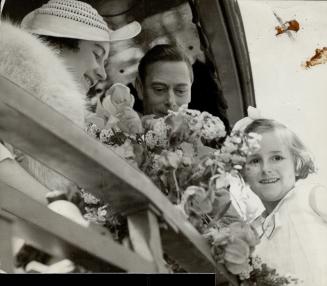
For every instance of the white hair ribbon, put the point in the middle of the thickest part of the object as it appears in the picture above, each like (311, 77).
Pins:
(253, 113)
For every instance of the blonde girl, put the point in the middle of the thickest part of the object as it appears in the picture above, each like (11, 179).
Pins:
(294, 227)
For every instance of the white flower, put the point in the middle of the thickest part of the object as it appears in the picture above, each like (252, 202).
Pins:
(102, 212)
(89, 198)
(236, 139)
(236, 159)
(159, 126)
(246, 274)
(105, 135)
(150, 139)
(92, 130)
(157, 138)
(169, 159)
(256, 262)
(229, 146)
(187, 161)
(254, 141)
(217, 237)
(91, 217)
(221, 181)
(238, 167)
(224, 157)
(212, 127)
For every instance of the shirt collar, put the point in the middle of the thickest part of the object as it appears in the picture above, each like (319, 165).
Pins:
(273, 220)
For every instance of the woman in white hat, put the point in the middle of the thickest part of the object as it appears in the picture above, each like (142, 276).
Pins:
(58, 66)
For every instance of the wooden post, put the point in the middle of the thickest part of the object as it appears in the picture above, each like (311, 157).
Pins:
(6, 249)
(145, 238)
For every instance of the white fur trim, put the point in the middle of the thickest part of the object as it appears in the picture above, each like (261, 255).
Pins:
(34, 66)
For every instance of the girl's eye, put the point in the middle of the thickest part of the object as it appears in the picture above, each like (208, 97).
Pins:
(278, 158)
(253, 161)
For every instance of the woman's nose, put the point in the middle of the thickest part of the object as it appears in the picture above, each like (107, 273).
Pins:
(101, 73)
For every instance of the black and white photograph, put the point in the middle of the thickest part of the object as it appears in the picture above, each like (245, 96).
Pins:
(164, 141)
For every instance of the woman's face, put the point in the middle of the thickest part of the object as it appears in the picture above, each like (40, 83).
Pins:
(88, 63)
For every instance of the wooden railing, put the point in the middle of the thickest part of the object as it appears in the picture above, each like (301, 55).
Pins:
(53, 140)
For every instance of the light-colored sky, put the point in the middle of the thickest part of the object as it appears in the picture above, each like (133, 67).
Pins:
(285, 90)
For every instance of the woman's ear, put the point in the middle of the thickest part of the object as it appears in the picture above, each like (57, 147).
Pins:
(139, 88)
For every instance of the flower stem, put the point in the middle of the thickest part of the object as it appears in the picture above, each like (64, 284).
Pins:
(176, 185)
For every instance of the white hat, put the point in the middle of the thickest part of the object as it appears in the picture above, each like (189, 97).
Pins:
(76, 20)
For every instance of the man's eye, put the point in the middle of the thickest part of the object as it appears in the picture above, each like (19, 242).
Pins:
(159, 89)
(180, 92)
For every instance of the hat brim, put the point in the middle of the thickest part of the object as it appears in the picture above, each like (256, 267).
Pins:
(65, 28)
(126, 32)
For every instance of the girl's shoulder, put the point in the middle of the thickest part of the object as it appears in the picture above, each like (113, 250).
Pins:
(314, 195)
(318, 201)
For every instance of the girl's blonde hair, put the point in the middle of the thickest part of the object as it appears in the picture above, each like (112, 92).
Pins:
(303, 161)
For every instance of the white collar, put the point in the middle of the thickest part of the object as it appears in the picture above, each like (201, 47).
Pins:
(273, 221)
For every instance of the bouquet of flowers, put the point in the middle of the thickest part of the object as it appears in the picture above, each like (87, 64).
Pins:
(188, 156)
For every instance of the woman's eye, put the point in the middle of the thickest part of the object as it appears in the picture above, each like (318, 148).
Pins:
(96, 56)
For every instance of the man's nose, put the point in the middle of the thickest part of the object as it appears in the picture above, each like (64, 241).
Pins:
(171, 97)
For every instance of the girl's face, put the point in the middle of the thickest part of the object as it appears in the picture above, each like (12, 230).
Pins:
(87, 64)
(270, 171)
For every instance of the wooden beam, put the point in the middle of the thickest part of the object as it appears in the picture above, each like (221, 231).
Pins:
(59, 236)
(145, 237)
(6, 247)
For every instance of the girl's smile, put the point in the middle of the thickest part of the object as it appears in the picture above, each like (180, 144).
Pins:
(270, 171)
(269, 181)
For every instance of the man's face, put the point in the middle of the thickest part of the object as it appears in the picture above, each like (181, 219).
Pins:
(167, 86)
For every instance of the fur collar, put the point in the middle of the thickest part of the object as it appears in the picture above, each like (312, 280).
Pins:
(33, 65)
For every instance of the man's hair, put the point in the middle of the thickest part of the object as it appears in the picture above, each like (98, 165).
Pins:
(303, 161)
(61, 43)
(163, 53)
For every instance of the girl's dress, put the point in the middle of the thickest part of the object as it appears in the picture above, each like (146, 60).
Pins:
(294, 235)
